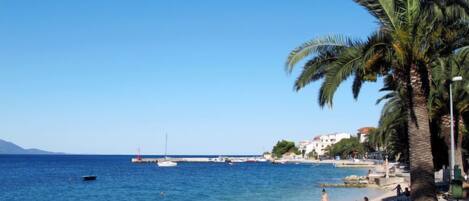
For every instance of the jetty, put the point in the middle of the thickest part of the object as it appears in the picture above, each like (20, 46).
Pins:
(354, 164)
(343, 185)
(233, 159)
(154, 160)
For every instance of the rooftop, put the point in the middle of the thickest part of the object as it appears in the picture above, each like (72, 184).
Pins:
(365, 130)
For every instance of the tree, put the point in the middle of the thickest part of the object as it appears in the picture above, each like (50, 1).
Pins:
(391, 136)
(312, 154)
(347, 147)
(283, 147)
(445, 69)
(412, 35)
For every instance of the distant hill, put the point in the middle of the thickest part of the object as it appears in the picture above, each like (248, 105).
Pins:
(10, 148)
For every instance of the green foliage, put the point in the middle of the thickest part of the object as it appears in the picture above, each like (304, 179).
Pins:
(412, 36)
(283, 147)
(391, 136)
(312, 155)
(346, 147)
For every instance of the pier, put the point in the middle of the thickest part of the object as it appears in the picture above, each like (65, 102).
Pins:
(199, 159)
(155, 160)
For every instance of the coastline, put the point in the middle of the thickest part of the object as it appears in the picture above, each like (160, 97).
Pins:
(386, 193)
(389, 193)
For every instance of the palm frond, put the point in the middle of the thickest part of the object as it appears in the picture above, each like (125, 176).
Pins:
(314, 70)
(347, 63)
(357, 85)
(315, 46)
(383, 10)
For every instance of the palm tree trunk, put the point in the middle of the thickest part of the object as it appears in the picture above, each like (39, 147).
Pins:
(458, 149)
(422, 177)
(446, 132)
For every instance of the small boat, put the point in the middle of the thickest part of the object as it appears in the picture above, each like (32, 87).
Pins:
(166, 162)
(238, 160)
(89, 177)
(278, 162)
(251, 160)
(138, 158)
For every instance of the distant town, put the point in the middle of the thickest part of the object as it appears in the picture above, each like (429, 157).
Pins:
(320, 147)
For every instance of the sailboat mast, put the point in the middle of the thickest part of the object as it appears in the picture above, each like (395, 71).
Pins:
(166, 146)
(139, 157)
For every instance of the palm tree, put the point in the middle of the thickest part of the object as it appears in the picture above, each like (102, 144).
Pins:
(412, 35)
(392, 132)
(444, 70)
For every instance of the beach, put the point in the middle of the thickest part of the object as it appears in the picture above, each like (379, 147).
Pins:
(388, 192)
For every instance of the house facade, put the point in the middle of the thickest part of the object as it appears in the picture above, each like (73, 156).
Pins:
(321, 142)
(363, 133)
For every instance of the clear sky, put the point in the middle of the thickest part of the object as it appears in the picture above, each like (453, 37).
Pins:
(109, 76)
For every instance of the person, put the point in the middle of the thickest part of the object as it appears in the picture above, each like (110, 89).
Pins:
(368, 175)
(365, 199)
(407, 192)
(398, 190)
(324, 196)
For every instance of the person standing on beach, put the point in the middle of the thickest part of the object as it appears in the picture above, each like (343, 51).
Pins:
(398, 190)
(324, 196)
(407, 192)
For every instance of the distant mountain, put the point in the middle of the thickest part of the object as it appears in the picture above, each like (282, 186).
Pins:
(10, 148)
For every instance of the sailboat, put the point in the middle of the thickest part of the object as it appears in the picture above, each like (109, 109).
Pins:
(166, 162)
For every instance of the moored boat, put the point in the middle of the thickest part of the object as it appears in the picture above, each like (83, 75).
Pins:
(238, 160)
(89, 177)
(261, 160)
(278, 162)
(166, 163)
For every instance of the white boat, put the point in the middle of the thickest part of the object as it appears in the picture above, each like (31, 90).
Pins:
(166, 162)
(238, 160)
(279, 162)
(261, 160)
(251, 160)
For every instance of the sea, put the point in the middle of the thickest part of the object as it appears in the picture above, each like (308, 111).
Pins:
(59, 177)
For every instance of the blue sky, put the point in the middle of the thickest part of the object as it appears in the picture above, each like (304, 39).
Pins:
(111, 76)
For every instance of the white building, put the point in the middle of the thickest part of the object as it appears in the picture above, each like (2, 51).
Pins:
(363, 133)
(320, 143)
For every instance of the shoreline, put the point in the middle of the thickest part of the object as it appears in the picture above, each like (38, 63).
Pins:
(389, 193)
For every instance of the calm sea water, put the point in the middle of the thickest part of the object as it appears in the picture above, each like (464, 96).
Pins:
(41, 178)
